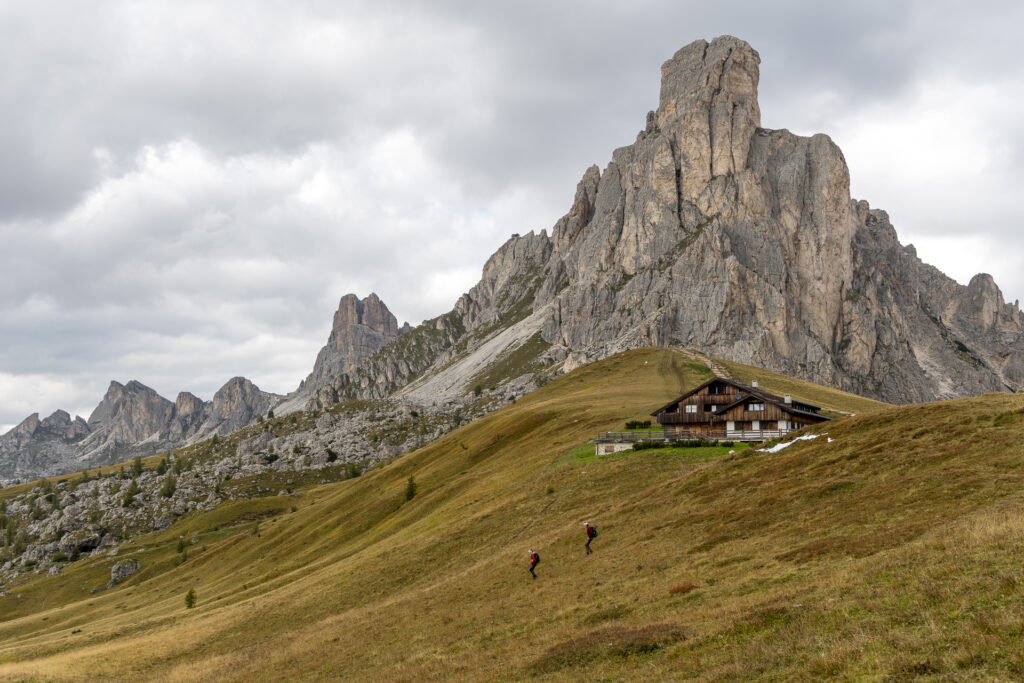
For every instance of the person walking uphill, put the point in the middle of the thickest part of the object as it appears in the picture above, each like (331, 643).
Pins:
(591, 535)
(534, 559)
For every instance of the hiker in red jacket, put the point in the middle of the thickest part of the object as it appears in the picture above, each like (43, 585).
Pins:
(534, 559)
(591, 535)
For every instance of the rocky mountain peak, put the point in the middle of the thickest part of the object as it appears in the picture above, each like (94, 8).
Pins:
(369, 312)
(130, 412)
(712, 233)
(235, 405)
(360, 327)
(708, 108)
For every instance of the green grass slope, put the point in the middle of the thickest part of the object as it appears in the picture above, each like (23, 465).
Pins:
(889, 552)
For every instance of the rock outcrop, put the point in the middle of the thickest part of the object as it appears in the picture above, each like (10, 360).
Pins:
(712, 233)
(235, 405)
(360, 327)
(132, 419)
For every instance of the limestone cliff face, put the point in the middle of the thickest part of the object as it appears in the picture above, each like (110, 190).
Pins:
(360, 327)
(713, 233)
(238, 403)
(129, 413)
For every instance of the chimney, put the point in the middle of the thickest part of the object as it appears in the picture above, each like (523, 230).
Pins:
(754, 384)
(788, 398)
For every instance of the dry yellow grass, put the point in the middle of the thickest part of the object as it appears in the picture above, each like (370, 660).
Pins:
(890, 552)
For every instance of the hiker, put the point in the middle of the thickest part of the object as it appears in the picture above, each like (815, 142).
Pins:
(591, 535)
(534, 559)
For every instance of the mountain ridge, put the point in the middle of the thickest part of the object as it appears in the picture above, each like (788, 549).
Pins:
(713, 233)
(708, 232)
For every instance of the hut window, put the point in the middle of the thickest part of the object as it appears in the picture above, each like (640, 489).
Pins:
(755, 407)
(691, 408)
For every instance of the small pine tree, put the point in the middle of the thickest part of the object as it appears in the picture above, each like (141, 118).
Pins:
(190, 598)
(331, 455)
(270, 414)
(129, 494)
(169, 487)
(136, 466)
(410, 488)
(161, 469)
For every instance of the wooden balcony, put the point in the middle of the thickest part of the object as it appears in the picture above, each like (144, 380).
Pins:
(688, 418)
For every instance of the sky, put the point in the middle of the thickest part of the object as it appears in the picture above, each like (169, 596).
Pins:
(188, 188)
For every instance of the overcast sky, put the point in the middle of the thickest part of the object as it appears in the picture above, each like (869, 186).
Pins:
(188, 188)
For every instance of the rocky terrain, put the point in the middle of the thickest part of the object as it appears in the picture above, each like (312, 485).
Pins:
(51, 524)
(132, 419)
(713, 233)
(360, 327)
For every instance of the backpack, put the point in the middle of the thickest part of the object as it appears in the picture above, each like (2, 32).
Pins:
(592, 532)
(535, 558)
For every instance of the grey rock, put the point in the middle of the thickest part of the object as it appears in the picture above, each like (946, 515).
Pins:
(131, 420)
(360, 327)
(123, 570)
(712, 233)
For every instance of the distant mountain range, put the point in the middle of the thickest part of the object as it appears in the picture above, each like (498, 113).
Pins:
(708, 232)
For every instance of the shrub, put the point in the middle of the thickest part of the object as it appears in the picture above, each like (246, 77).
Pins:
(331, 455)
(477, 390)
(190, 598)
(59, 557)
(638, 424)
(410, 488)
(270, 414)
(354, 470)
(681, 443)
(181, 545)
(270, 457)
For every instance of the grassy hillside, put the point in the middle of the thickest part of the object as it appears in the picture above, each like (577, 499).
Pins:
(887, 549)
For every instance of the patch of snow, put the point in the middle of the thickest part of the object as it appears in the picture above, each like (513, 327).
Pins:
(779, 446)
